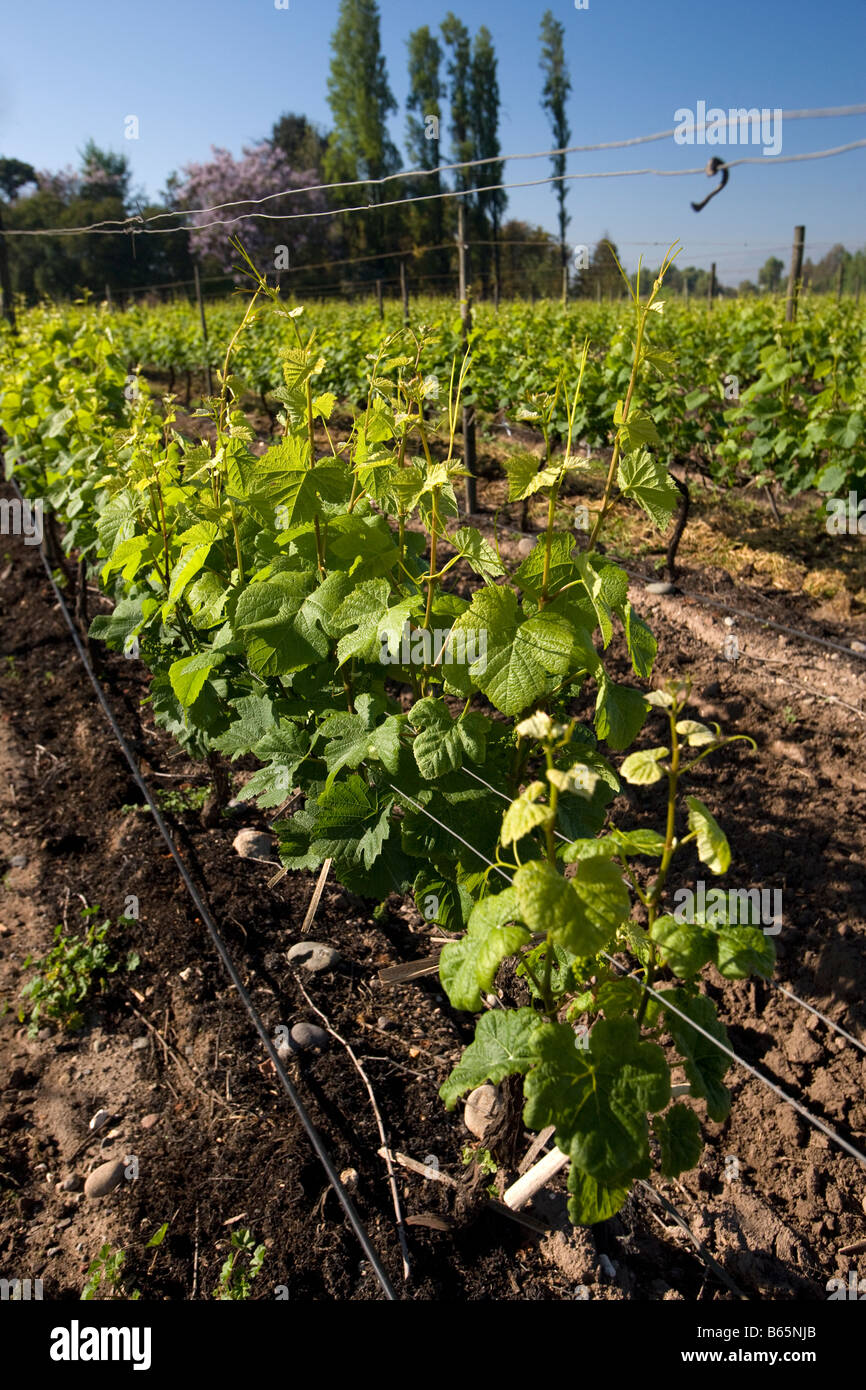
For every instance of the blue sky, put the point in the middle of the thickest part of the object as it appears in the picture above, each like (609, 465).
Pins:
(220, 73)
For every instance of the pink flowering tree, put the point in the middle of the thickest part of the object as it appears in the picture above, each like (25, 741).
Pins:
(261, 171)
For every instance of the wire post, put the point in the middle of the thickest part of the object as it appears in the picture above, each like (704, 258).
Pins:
(839, 283)
(565, 282)
(203, 327)
(6, 282)
(795, 274)
(466, 328)
(711, 288)
(404, 292)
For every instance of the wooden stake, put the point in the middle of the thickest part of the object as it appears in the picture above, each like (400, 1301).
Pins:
(795, 274)
(404, 291)
(711, 288)
(470, 495)
(520, 1192)
(317, 897)
(203, 328)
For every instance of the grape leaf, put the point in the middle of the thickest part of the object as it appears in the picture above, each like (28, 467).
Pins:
(678, 1132)
(502, 1047)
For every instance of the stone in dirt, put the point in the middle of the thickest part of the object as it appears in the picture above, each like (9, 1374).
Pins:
(662, 586)
(305, 1035)
(800, 1046)
(73, 1183)
(148, 1121)
(254, 844)
(780, 748)
(99, 1120)
(104, 1179)
(484, 1107)
(314, 956)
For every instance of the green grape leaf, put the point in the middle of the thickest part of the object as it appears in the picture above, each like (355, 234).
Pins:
(683, 946)
(589, 1201)
(697, 735)
(525, 478)
(523, 655)
(743, 951)
(442, 742)
(441, 900)
(525, 813)
(713, 847)
(349, 824)
(530, 576)
(502, 1047)
(620, 713)
(678, 1132)
(188, 676)
(467, 968)
(477, 552)
(598, 1096)
(255, 718)
(642, 646)
(648, 483)
(605, 901)
(350, 738)
(646, 842)
(359, 618)
(641, 769)
(705, 1064)
(595, 588)
(581, 914)
(282, 750)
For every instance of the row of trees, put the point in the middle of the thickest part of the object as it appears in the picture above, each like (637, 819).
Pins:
(839, 270)
(452, 117)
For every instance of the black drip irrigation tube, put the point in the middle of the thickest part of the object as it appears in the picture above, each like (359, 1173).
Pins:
(312, 1133)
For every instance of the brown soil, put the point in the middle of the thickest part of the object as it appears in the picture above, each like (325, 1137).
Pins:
(225, 1148)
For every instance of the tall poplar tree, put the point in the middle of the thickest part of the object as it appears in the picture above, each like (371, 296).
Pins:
(423, 129)
(484, 117)
(557, 86)
(361, 101)
(459, 69)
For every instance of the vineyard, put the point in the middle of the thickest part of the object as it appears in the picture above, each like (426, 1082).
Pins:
(751, 398)
(558, 851)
